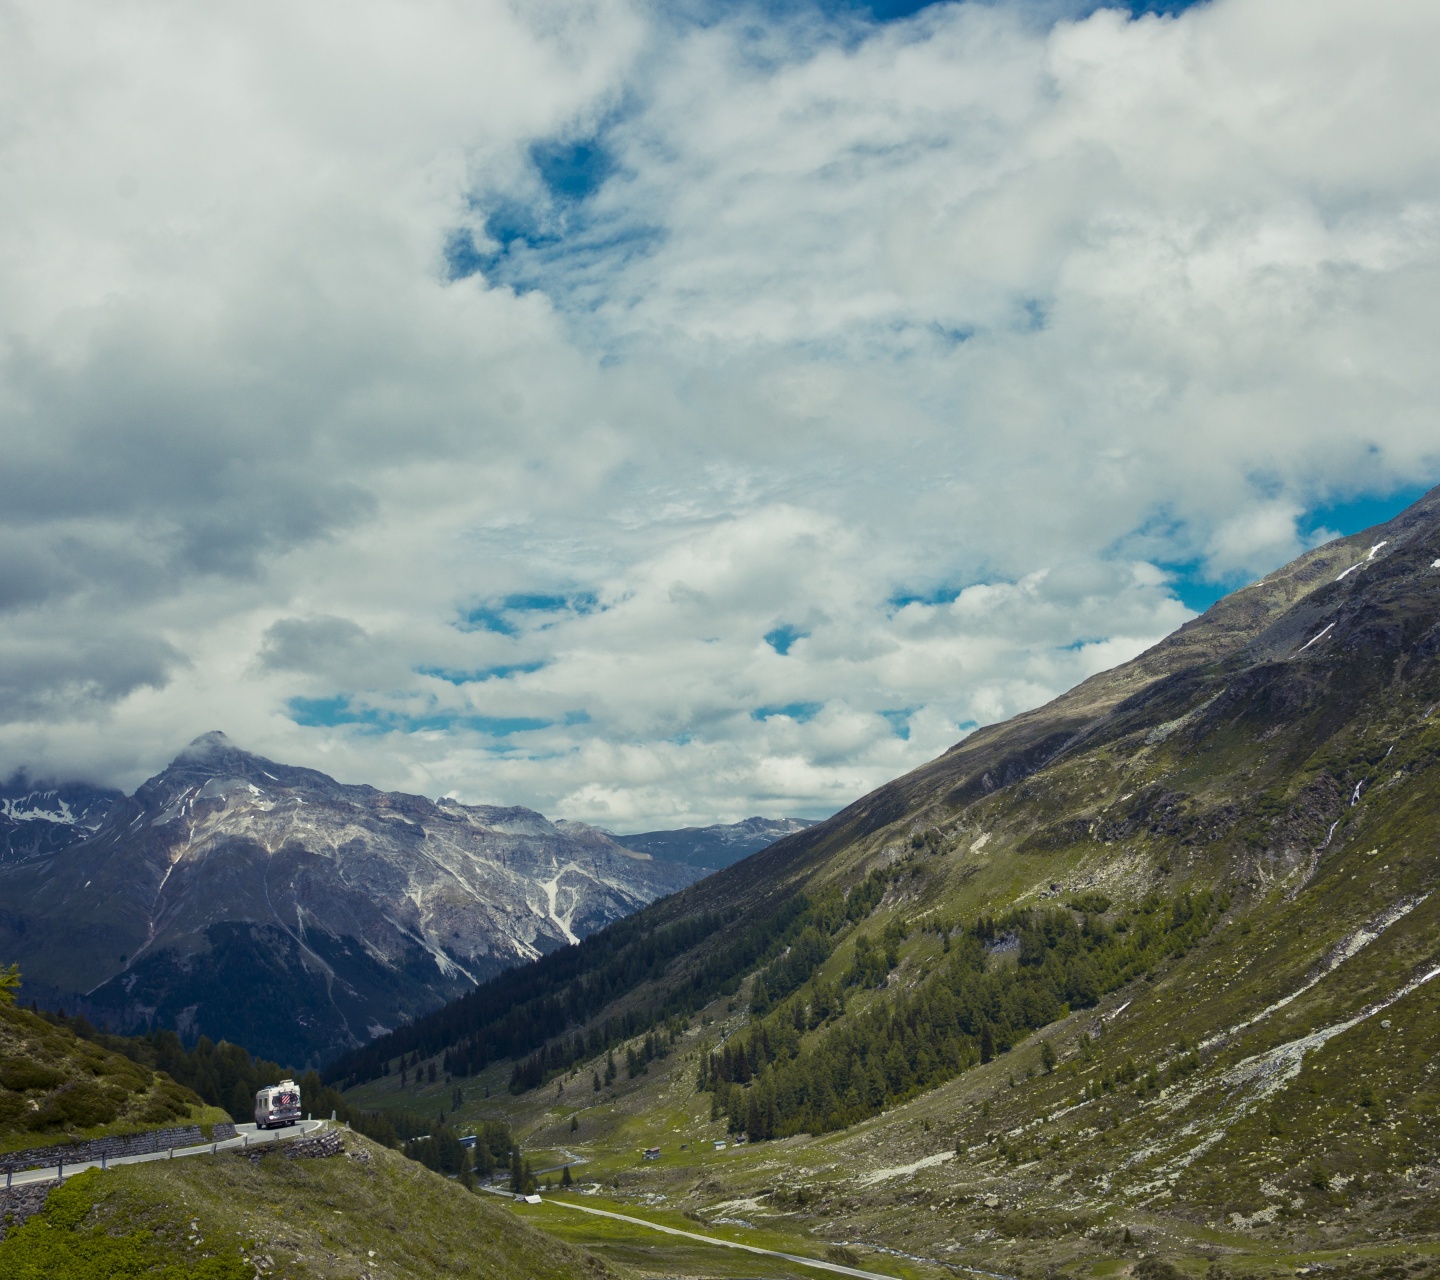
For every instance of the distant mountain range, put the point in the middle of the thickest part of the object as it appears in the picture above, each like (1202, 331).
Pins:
(236, 897)
(716, 846)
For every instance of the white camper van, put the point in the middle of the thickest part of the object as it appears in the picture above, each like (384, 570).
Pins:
(278, 1105)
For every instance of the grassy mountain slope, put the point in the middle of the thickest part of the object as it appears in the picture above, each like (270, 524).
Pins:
(366, 1213)
(1150, 970)
(56, 1087)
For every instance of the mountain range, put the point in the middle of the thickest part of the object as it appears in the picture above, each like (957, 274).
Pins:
(1143, 977)
(236, 897)
(714, 846)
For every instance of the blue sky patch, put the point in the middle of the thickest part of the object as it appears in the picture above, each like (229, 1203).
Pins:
(800, 712)
(572, 170)
(899, 718)
(502, 672)
(484, 618)
(944, 594)
(551, 239)
(462, 258)
(1187, 582)
(783, 637)
(1360, 513)
(316, 713)
(328, 713)
(541, 602)
(506, 615)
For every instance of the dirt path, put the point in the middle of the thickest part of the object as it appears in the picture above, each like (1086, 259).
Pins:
(837, 1267)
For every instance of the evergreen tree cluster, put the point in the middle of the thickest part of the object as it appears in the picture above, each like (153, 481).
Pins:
(638, 1060)
(526, 1014)
(560, 1055)
(771, 1081)
(442, 1150)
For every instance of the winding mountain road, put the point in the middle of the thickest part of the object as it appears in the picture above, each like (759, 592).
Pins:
(246, 1135)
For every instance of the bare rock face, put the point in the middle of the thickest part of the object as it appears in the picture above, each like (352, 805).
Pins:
(239, 898)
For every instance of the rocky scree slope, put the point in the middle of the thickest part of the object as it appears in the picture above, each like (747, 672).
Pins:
(236, 897)
(1235, 832)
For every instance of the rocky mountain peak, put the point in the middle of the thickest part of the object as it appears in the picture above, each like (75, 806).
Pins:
(228, 873)
(214, 757)
(205, 746)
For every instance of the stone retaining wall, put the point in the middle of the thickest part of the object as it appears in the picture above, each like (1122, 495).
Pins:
(19, 1203)
(129, 1144)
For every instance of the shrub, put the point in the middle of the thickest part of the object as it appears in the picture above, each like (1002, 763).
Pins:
(1156, 1269)
(1091, 904)
(21, 1074)
(80, 1106)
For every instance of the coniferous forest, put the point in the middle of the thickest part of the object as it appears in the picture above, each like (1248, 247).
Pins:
(998, 980)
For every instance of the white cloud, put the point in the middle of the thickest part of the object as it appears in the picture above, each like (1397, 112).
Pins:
(994, 313)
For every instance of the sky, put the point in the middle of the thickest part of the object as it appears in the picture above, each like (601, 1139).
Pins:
(657, 414)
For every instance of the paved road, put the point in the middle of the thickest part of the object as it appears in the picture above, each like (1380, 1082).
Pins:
(246, 1135)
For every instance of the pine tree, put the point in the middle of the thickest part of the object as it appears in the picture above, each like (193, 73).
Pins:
(760, 997)
(752, 1116)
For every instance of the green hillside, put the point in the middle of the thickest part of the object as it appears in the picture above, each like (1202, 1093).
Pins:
(1143, 976)
(367, 1212)
(56, 1087)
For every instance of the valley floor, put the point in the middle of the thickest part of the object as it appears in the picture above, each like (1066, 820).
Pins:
(1303, 1140)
